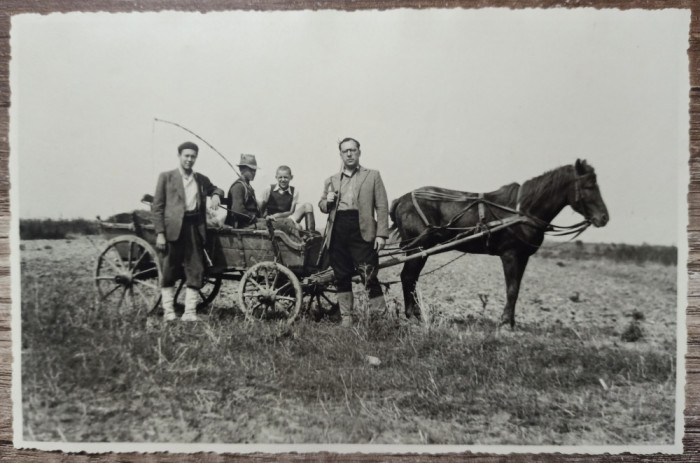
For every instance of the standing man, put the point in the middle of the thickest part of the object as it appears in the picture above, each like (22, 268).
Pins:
(179, 218)
(358, 226)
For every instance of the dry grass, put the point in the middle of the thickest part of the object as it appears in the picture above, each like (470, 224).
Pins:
(564, 376)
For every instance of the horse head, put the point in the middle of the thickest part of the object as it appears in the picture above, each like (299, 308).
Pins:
(584, 195)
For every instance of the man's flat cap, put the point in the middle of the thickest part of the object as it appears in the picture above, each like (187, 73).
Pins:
(188, 145)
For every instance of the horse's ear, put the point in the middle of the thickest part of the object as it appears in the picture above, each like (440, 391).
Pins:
(581, 166)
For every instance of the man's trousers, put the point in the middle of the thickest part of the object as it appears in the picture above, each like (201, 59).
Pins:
(185, 256)
(350, 255)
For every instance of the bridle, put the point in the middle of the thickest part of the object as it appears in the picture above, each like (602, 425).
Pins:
(578, 205)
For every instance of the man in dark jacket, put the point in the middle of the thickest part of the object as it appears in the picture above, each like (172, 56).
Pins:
(179, 218)
(243, 207)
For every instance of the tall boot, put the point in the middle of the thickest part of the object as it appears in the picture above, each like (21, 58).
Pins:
(345, 301)
(167, 299)
(377, 303)
(191, 300)
(310, 221)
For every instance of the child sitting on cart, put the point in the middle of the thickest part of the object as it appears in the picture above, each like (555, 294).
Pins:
(280, 201)
(246, 212)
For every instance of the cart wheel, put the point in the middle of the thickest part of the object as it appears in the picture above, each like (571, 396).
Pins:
(269, 291)
(322, 302)
(207, 293)
(128, 274)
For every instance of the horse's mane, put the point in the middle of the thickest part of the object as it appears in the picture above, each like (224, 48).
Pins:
(507, 195)
(550, 183)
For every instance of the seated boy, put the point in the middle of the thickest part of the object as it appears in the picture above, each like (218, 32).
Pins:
(280, 201)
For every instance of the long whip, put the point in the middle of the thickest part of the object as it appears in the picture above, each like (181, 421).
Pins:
(155, 119)
(203, 140)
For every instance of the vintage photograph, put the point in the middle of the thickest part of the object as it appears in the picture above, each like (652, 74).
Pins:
(435, 230)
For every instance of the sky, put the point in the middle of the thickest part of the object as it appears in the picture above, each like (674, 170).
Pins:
(463, 99)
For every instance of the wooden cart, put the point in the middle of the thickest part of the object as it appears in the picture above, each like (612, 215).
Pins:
(277, 273)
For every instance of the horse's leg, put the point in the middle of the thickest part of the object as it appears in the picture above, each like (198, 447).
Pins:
(409, 279)
(513, 268)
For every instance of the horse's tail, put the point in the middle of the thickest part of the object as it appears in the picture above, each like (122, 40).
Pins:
(392, 214)
(394, 229)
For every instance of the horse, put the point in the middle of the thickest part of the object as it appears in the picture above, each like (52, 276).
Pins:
(509, 222)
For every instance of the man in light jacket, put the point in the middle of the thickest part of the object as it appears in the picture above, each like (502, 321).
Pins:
(179, 218)
(358, 226)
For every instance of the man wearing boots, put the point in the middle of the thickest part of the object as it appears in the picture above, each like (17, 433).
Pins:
(281, 200)
(352, 198)
(179, 218)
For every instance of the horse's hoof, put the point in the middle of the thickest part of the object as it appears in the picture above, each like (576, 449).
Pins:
(412, 313)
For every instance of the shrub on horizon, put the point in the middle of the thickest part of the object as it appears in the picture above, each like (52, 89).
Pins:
(50, 229)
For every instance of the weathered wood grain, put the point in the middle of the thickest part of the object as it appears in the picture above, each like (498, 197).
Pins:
(692, 411)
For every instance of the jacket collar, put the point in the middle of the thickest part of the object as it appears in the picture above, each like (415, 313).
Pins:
(361, 174)
(183, 174)
(361, 171)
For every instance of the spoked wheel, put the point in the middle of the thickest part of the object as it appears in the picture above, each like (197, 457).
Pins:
(322, 302)
(207, 293)
(128, 275)
(270, 291)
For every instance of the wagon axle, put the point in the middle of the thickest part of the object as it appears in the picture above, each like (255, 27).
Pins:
(124, 280)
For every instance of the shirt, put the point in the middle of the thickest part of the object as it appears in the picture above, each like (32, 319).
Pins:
(348, 184)
(191, 194)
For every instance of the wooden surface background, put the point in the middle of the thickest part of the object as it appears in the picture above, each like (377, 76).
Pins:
(691, 440)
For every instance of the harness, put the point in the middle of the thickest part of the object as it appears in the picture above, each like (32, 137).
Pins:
(481, 203)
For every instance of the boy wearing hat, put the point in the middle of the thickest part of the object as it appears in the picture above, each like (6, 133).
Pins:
(179, 218)
(243, 207)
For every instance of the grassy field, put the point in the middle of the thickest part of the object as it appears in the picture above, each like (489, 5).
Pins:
(565, 375)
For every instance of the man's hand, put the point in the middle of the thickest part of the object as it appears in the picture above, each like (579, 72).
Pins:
(330, 197)
(379, 243)
(215, 202)
(160, 242)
